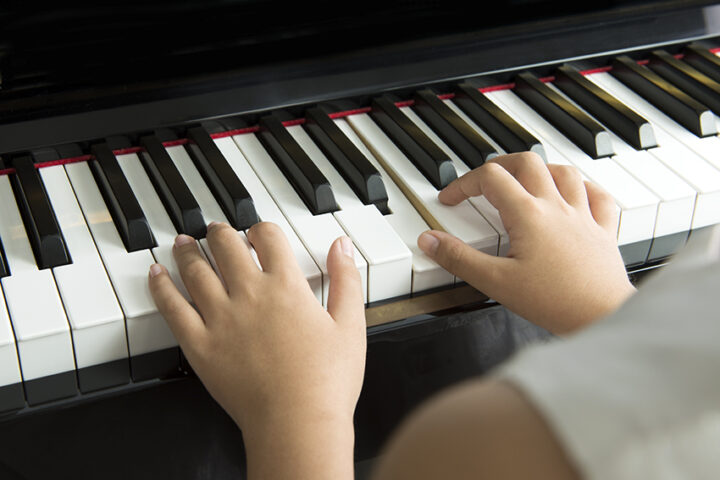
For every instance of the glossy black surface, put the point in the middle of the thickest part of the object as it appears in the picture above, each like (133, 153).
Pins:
(575, 124)
(181, 206)
(688, 112)
(225, 185)
(691, 81)
(493, 120)
(422, 152)
(307, 180)
(358, 172)
(704, 60)
(466, 142)
(124, 208)
(614, 114)
(175, 430)
(41, 226)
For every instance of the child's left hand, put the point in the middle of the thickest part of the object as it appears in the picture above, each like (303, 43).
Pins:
(265, 348)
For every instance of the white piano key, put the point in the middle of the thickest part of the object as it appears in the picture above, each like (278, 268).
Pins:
(268, 211)
(128, 271)
(677, 198)
(389, 260)
(9, 364)
(158, 219)
(406, 222)
(701, 173)
(317, 232)
(638, 205)
(490, 213)
(97, 322)
(189, 172)
(706, 147)
(461, 220)
(41, 329)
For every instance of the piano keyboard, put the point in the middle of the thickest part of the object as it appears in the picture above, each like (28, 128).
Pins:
(78, 237)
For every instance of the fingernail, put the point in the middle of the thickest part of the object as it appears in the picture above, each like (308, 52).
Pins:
(347, 246)
(155, 269)
(428, 243)
(183, 239)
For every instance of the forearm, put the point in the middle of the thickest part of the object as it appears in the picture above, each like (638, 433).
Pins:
(317, 449)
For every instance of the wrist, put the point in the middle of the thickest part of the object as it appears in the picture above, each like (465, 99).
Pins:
(300, 445)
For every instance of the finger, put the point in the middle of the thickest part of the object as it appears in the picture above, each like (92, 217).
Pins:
(201, 282)
(482, 271)
(345, 297)
(602, 207)
(272, 248)
(184, 321)
(531, 171)
(232, 256)
(570, 184)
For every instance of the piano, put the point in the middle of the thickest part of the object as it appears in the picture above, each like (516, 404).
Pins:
(121, 127)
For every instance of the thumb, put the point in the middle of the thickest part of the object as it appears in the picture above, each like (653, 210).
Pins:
(479, 269)
(345, 297)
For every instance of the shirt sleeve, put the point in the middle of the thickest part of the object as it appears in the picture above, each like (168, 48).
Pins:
(637, 395)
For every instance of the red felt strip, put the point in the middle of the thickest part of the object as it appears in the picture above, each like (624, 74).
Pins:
(174, 143)
(292, 123)
(347, 113)
(495, 88)
(64, 161)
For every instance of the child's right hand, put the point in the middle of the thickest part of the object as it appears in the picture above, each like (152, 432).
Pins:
(563, 269)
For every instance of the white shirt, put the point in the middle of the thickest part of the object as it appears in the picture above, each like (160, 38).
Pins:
(637, 394)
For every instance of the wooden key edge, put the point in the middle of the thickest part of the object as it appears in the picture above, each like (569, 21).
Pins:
(414, 200)
(424, 304)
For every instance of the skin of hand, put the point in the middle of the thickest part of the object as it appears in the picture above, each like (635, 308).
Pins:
(563, 268)
(285, 369)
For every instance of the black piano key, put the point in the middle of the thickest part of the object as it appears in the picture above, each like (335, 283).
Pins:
(465, 141)
(307, 180)
(427, 157)
(358, 172)
(124, 208)
(637, 131)
(4, 267)
(688, 112)
(179, 202)
(498, 124)
(41, 225)
(230, 193)
(703, 59)
(699, 86)
(575, 124)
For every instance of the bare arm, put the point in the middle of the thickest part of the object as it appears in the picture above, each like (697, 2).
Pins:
(477, 430)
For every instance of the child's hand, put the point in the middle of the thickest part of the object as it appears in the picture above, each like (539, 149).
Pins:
(563, 269)
(281, 365)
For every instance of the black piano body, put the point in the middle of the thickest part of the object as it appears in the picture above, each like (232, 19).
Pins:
(82, 74)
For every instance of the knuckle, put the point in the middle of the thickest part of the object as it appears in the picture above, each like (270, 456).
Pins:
(567, 174)
(194, 267)
(264, 229)
(531, 158)
(452, 255)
